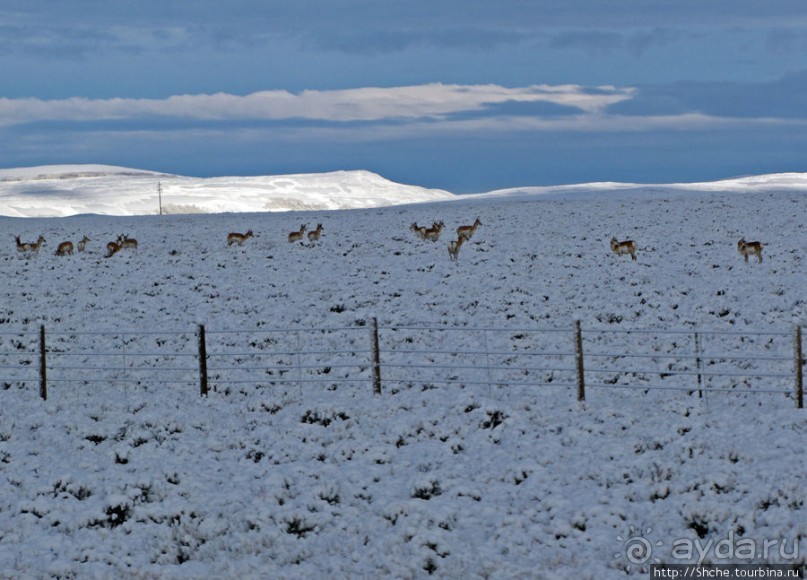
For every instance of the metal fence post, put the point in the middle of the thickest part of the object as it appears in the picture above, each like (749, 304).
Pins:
(578, 349)
(376, 360)
(698, 363)
(202, 362)
(799, 371)
(43, 370)
(299, 364)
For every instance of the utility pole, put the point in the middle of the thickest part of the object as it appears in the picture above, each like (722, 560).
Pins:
(160, 195)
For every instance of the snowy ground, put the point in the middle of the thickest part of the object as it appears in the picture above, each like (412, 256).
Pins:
(463, 482)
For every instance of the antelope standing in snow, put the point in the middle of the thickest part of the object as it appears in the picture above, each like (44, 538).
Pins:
(433, 233)
(113, 248)
(126, 242)
(64, 249)
(29, 246)
(454, 247)
(420, 231)
(468, 231)
(236, 238)
(626, 247)
(82, 243)
(313, 236)
(297, 236)
(746, 248)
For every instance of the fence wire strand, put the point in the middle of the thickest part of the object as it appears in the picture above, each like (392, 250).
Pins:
(505, 350)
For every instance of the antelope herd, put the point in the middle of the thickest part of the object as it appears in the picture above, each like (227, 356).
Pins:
(620, 248)
(431, 233)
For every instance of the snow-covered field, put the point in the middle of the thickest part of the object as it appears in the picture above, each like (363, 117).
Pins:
(151, 480)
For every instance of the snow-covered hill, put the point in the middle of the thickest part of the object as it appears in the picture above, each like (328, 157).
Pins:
(140, 477)
(63, 190)
(586, 191)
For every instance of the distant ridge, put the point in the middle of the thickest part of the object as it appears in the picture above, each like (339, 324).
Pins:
(68, 172)
(64, 190)
(753, 183)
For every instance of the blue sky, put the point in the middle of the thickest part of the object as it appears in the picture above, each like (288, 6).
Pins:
(467, 95)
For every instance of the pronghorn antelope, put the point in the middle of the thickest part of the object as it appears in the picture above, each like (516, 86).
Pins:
(236, 238)
(113, 248)
(297, 236)
(433, 233)
(64, 249)
(454, 247)
(313, 236)
(420, 231)
(126, 242)
(468, 231)
(626, 247)
(29, 246)
(746, 248)
(82, 243)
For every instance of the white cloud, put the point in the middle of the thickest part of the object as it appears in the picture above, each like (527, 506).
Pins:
(424, 111)
(361, 104)
(583, 123)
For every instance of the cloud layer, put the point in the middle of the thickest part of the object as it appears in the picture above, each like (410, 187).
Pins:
(433, 101)
(420, 110)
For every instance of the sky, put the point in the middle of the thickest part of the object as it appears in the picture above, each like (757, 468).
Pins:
(463, 95)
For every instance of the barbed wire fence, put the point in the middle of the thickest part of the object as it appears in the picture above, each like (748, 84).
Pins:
(389, 357)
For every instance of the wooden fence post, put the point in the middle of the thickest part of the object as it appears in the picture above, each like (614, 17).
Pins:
(376, 360)
(43, 369)
(578, 349)
(202, 362)
(799, 371)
